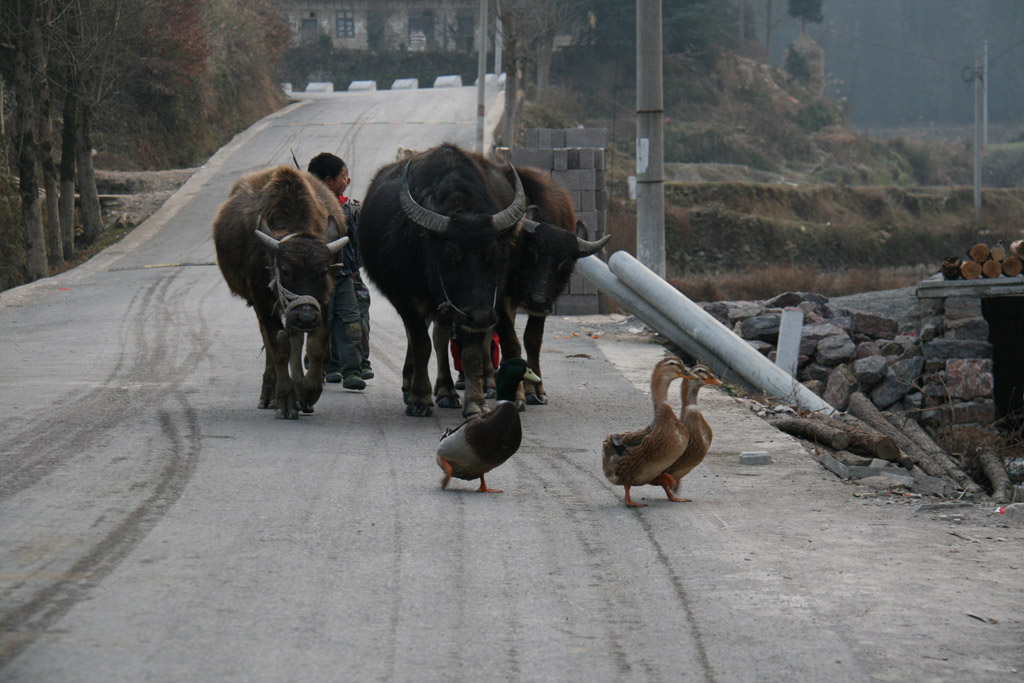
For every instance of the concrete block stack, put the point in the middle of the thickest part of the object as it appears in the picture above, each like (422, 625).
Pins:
(576, 158)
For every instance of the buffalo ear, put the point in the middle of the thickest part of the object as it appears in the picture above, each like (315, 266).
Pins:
(585, 248)
(337, 245)
(333, 228)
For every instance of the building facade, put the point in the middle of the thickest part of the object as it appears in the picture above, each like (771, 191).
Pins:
(387, 25)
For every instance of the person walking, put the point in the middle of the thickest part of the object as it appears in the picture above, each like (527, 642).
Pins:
(348, 316)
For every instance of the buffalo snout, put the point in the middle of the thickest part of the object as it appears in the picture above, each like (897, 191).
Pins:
(304, 318)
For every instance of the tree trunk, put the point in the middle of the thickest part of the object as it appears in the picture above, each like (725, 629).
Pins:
(67, 170)
(813, 430)
(88, 199)
(26, 86)
(55, 250)
(996, 473)
(545, 47)
(862, 407)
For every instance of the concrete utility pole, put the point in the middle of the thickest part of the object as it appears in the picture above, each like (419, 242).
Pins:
(481, 76)
(984, 88)
(498, 40)
(650, 138)
(978, 80)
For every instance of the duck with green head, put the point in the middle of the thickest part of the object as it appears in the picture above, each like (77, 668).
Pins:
(486, 440)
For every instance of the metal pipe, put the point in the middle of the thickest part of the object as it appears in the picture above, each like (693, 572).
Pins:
(755, 369)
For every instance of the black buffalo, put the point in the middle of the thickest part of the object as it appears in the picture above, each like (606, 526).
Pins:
(437, 232)
(545, 258)
(271, 238)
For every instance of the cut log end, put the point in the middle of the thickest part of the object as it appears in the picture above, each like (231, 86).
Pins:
(1017, 248)
(992, 268)
(970, 270)
(1012, 266)
(979, 253)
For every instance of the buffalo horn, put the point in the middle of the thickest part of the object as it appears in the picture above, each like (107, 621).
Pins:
(423, 217)
(338, 245)
(529, 225)
(507, 218)
(269, 242)
(586, 248)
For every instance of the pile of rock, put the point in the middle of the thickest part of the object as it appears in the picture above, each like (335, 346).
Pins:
(939, 372)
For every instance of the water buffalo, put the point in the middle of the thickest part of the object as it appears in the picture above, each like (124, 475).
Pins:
(544, 260)
(436, 234)
(271, 238)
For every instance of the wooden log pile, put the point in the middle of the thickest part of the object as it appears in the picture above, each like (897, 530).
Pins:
(868, 442)
(983, 261)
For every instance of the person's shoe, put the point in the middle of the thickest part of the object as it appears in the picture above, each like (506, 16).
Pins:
(367, 372)
(333, 377)
(354, 382)
(460, 383)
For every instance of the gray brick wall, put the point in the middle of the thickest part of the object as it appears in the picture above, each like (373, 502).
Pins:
(575, 158)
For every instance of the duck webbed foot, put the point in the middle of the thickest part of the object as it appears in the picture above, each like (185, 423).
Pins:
(483, 487)
(669, 483)
(447, 467)
(629, 501)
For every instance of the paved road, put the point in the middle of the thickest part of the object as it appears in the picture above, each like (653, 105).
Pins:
(155, 526)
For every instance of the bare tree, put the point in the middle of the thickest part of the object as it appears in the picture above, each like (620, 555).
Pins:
(529, 29)
(22, 43)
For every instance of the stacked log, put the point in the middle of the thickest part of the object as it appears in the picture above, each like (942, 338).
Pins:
(986, 262)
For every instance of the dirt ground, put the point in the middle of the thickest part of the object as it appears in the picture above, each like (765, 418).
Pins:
(130, 197)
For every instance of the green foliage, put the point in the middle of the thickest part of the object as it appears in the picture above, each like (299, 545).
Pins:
(701, 27)
(816, 115)
(805, 10)
(797, 66)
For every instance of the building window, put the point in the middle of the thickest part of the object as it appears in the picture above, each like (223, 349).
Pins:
(421, 31)
(346, 24)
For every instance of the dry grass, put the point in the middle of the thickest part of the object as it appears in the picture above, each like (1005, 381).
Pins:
(967, 443)
(764, 283)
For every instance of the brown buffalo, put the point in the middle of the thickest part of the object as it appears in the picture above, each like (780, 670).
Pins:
(272, 246)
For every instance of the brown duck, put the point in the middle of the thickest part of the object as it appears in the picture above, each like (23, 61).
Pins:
(697, 428)
(643, 456)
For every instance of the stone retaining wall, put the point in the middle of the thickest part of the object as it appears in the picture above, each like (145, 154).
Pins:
(940, 372)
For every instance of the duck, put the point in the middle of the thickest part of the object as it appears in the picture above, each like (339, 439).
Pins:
(643, 456)
(697, 428)
(486, 440)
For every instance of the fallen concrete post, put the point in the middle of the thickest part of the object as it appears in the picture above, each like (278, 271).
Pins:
(755, 369)
(596, 271)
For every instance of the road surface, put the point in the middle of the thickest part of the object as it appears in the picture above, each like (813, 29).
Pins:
(156, 526)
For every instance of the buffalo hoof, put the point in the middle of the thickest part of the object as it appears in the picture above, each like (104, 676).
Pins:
(448, 402)
(419, 411)
(307, 409)
(536, 399)
(287, 415)
(491, 394)
(520, 405)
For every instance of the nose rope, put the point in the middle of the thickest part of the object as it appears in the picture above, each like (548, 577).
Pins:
(288, 301)
(448, 303)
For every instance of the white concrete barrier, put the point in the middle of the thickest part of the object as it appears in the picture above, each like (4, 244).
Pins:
(320, 86)
(405, 84)
(287, 87)
(448, 81)
(362, 85)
